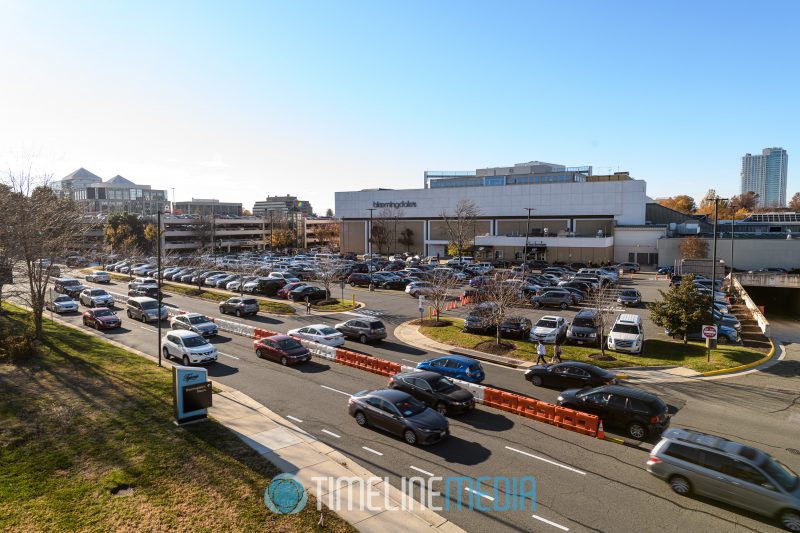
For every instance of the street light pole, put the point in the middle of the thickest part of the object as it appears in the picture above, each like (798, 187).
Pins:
(158, 285)
(713, 274)
(527, 232)
(369, 247)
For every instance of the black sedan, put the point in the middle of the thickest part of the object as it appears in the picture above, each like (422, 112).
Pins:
(516, 326)
(398, 413)
(397, 284)
(313, 294)
(434, 390)
(571, 374)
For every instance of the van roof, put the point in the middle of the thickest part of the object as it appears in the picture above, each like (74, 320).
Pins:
(629, 317)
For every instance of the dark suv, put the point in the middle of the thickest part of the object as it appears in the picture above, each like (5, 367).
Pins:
(363, 329)
(584, 328)
(480, 319)
(516, 326)
(638, 412)
(359, 280)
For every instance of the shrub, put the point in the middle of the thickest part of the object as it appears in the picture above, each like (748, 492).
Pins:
(16, 348)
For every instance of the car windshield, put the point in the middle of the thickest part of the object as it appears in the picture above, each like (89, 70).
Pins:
(546, 324)
(63, 299)
(780, 473)
(149, 305)
(197, 320)
(625, 328)
(70, 283)
(328, 331)
(288, 344)
(582, 322)
(628, 292)
(194, 341)
(103, 312)
(409, 407)
(98, 292)
(442, 385)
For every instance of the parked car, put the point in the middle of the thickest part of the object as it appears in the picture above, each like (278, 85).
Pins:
(101, 318)
(196, 322)
(236, 285)
(455, 366)
(145, 309)
(359, 280)
(364, 329)
(284, 291)
(629, 298)
(265, 286)
(397, 284)
(151, 291)
(554, 298)
(628, 267)
(188, 347)
(399, 413)
(516, 326)
(638, 412)
(574, 298)
(479, 320)
(627, 334)
(725, 335)
(726, 319)
(308, 292)
(281, 348)
(434, 390)
(727, 471)
(239, 306)
(72, 287)
(141, 282)
(99, 276)
(320, 333)
(585, 328)
(549, 329)
(96, 298)
(571, 374)
(420, 288)
(61, 304)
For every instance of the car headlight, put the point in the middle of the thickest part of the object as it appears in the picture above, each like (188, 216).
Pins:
(592, 335)
(560, 399)
(428, 430)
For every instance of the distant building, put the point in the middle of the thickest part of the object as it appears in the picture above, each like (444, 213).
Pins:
(529, 173)
(765, 175)
(198, 206)
(281, 205)
(321, 232)
(118, 194)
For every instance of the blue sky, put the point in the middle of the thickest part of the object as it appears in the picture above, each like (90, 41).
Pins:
(239, 100)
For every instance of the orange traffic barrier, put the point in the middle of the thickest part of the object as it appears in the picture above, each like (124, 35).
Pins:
(259, 333)
(527, 407)
(586, 423)
(565, 418)
(509, 402)
(545, 412)
(492, 397)
(394, 368)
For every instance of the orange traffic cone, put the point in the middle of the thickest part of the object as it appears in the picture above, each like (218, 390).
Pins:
(600, 433)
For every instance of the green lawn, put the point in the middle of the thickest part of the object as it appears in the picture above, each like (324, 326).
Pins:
(657, 352)
(338, 305)
(83, 417)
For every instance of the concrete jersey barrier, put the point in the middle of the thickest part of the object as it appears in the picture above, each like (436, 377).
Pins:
(763, 323)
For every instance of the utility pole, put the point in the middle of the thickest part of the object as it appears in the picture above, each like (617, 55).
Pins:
(369, 247)
(158, 287)
(713, 276)
(527, 232)
(733, 230)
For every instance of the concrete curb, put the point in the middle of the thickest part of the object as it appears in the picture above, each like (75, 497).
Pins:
(748, 366)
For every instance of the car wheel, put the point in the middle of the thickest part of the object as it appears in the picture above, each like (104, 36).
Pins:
(564, 305)
(637, 431)
(238, 313)
(722, 339)
(680, 485)
(144, 318)
(536, 381)
(410, 437)
(165, 352)
(353, 285)
(97, 326)
(85, 323)
(284, 361)
(441, 408)
(129, 314)
(362, 339)
(790, 519)
(222, 310)
(185, 360)
(677, 337)
(361, 420)
(259, 353)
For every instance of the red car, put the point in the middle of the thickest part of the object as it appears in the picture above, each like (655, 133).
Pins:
(281, 348)
(359, 280)
(101, 318)
(284, 291)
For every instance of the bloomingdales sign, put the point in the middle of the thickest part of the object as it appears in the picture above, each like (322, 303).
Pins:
(396, 205)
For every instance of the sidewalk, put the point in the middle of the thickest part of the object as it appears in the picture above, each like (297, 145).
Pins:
(297, 452)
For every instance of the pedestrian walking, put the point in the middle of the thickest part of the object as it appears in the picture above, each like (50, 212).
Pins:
(541, 350)
(308, 306)
(556, 353)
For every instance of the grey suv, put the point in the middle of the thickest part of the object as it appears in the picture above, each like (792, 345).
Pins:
(554, 298)
(694, 462)
(584, 328)
(239, 306)
(145, 309)
(363, 329)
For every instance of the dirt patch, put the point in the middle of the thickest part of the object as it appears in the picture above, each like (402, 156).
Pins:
(602, 357)
(432, 323)
(504, 348)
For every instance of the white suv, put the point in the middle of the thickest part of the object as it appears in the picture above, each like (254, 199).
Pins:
(188, 347)
(627, 334)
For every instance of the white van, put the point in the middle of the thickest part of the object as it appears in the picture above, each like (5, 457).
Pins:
(627, 334)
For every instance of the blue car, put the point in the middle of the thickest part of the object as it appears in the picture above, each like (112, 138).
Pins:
(725, 335)
(665, 270)
(456, 367)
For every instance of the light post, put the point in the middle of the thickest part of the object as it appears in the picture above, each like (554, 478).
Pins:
(714, 273)
(527, 233)
(733, 230)
(158, 285)
(369, 247)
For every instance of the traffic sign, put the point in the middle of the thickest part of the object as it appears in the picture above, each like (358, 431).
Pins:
(709, 332)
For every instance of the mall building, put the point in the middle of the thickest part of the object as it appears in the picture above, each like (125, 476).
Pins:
(559, 213)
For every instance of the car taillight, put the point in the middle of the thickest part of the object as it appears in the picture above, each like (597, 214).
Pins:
(391, 380)
(655, 419)
(653, 461)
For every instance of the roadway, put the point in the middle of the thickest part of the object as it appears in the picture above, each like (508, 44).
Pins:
(582, 483)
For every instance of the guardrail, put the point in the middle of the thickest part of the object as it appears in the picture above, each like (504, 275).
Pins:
(763, 323)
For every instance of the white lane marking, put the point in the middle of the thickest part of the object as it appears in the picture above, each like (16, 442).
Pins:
(410, 361)
(148, 328)
(376, 452)
(227, 355)
(331, 433)
(336, 390)
(547, 461)
(546, 521)
(482, 495)
(421, 470)
(290, 417)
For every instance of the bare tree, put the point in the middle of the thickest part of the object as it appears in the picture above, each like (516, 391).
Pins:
(694, 248)
(204, 231)
(502, 294)
(38, 226)
(439, 294)
(328, 234)
(604, 301)
(461, 224)
(406, 238)
(327, 274)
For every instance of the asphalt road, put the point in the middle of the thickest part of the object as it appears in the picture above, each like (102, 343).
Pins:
(582, 483)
